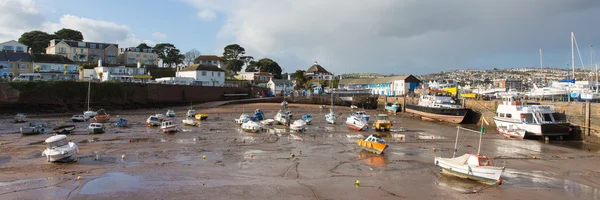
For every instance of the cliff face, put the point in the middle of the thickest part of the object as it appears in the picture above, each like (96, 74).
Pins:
(64, 96)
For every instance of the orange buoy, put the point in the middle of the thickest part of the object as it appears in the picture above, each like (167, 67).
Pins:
(251, 155)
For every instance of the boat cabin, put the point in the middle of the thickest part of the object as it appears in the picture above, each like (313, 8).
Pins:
(435, 101)
(383, 117)
(514, 110)
(96, 125)
(479, 160)
(167, 123)
(373, 138)
(57, 141)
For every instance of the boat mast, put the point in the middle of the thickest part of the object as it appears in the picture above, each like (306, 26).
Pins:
(88, 95)
(573, 53)
(456, 141)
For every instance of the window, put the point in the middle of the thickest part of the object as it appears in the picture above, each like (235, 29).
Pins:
(131, 56)
(23, 66)
(93, 46)
(19, 49)
(73, 50)
(502, 115)
(218, 73)
(508, 115)
(62, 50)
(101, 46)
(213, 74)
(7, 48)
(137, 55)
(10, 66)
(203, 73)
(92, 52)
(80, 50)
(81, 44)
(151, 56)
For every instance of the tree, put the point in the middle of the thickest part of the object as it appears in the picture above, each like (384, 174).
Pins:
(169, 54)
(268, 65)
(144, 46)
(233, 54)
(36, 40)
(299, 77)
(68, 34)
(252, 66)
(190, 56)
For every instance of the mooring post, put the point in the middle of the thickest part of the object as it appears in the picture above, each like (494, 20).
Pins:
(588, 107)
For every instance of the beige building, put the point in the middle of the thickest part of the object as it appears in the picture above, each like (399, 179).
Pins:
(84, 51)
(133, 55)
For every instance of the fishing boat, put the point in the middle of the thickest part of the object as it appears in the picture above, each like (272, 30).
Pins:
(393, 107)
(35, 128)
(307, 118)
(79, 118)
(94, 128)
(298, 125)
(282, 118)
(362, 114)
(511, 131)
(201, 116)
(189, 122)
(243, 119)
(536, 120)
(122, 122)
(153, 121)
(258, 115)
(373, 144)
(64, 129)
(190, 113)
(284, 104)
(89, 113)
(168, 126)
(471, 166)
(59, 149)
(251, 126)
(356, 123)
(20, 118)
(267, 122)
(439, 106)
(170, 113)
(330, 117)
(382, 123)
(102, 118)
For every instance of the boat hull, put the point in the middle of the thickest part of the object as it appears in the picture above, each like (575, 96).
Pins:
(96, 131)
(511, 133)
(356, 127)
(32, 130)
(102, 118)
(374, 147)
(201, 116)
(385, 126)
(487, 175)
(555, 129)
(65, 129)
(450, 115)
(188, 123)
(169, 129)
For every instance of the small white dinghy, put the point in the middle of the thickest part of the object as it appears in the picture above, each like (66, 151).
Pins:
(356, 123)
(251, 126)
(330, 118)
(168, 127)
(191, 113)
(282, 118)
(153, 121)
(243, 119)
(511, 131)
(471, 166)
(189, 122)
(267, 122)
(298, 125)
(59, 149)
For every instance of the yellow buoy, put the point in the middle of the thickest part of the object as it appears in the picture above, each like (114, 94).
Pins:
(534, 157)
(79, 178)
(357, 183)
(291, 155)
(204, 157)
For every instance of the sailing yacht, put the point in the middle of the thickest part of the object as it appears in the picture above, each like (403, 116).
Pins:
(89, 113)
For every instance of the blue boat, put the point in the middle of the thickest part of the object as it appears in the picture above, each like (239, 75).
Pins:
(170, 113)
(393, 107)
(307, 118)
(122, 123)
(258, 115)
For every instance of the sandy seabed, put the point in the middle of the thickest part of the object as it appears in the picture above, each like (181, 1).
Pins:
(326, 163)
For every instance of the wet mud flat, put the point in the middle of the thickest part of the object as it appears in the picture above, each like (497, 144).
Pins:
(217, 160)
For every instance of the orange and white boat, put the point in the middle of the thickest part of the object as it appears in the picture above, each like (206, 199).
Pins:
(373, 144)
(102, 118)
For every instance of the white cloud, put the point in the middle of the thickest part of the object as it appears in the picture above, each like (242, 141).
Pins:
(412, 36)
(17, 17)
(207, 15)
(159, 35)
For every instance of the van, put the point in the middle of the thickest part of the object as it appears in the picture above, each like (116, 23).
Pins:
(28, 77)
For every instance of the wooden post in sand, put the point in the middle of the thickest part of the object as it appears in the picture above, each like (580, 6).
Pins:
(588, 107)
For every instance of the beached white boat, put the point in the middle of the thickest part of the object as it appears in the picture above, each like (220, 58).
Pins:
(362, 114)
(511, 131)
(282, 118)
(64, 129)
(267, 122)
(59, 149)
(330, 117)
(284, 103)
(153, 121)
(20, 118)
(189, 122)
(353, 107)
(79, 118)
(307, 118)
(96, 128)
(289, 114)
(170, 113)
(35, 128)
(89, 113)
(298, 125)
(160, 116)
(251, 126)
(356, 123)
(191, 113)
(471, 166)
(243, 119)
(168, 127)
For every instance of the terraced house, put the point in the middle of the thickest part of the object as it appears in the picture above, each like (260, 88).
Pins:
(79, 51)
(390, 86)
(55, 67)
(13, 46)
(15, 63)
(134, 55)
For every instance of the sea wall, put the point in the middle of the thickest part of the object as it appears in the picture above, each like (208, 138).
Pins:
(65, 96)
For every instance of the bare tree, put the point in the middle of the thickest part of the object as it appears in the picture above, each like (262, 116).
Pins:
(190, 56)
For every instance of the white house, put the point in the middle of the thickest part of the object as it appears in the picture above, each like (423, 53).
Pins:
(206, 75)
(55, 67)
(209, 60)
(122, 73)
(13, 46)
(278, 86)
(390, 86)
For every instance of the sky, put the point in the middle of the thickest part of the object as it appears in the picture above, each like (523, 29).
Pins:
(358, 36)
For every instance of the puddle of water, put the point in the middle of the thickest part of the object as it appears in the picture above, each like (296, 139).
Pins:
(459, 184)
(577, 145)
(410, 137)
(541, 179)
(112, 182)
(373, 160)
(4, 159)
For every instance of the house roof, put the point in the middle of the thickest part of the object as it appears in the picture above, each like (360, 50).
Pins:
(316, 68)
(48, 58)
(281, 81)
(199, 67)
(17, 56)
(72, 43)
(389, 79)
(207, 57)
(12, 41)
(3, 56)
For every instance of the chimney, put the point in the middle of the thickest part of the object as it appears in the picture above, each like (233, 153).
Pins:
(289, 77)
(139, 64)
(99, 63)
